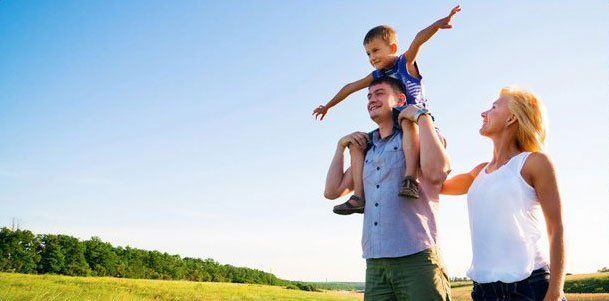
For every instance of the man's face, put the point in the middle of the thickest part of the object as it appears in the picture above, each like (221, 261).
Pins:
(381, 100)
(380, 53)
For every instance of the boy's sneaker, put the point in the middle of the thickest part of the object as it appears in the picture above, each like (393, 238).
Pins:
(410, 188)
(354, 204)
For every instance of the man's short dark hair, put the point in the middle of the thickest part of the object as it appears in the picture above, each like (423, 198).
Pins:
(395, 84)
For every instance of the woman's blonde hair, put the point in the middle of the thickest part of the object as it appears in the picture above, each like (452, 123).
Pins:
(530, 114)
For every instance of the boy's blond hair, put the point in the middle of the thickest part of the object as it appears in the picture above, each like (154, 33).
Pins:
(384, 32)
(529, 111)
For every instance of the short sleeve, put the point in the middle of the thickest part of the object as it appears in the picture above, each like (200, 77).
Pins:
(376, 74)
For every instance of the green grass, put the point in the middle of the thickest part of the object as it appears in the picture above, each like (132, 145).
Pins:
(54, 287)
(588, 283)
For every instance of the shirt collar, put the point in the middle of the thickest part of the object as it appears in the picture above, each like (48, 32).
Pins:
(375, 136)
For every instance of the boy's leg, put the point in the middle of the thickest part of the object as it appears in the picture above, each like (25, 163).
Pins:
(410, 147)
(356, 203)
(357, 170)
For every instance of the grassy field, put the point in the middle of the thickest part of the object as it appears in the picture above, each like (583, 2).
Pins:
(53, 287)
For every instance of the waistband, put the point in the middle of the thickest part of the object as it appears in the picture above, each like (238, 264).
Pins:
(539, 274)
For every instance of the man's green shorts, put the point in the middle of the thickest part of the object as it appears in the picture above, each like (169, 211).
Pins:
(417, 277)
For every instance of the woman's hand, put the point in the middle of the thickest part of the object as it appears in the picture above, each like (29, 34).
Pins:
(554, 296)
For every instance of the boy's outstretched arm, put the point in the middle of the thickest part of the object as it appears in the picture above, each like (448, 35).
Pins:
(349, 88)
(426, 34)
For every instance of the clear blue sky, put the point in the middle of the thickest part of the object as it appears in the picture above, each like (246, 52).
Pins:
(185, 127)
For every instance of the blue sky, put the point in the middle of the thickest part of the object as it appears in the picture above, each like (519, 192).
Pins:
(185, 127)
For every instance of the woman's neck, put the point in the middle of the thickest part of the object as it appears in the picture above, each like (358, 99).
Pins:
(504, 148)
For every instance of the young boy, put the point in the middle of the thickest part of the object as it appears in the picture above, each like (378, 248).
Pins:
(381, 47)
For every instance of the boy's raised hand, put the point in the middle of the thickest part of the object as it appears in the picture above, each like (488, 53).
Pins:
(444, 23)
(320, 112)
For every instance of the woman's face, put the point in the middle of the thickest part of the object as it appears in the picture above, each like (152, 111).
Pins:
(495, 120)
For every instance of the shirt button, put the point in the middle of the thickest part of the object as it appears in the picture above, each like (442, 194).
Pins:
(376, 204)
(375, 223)
(377, 186)
(395, 148)
(366, 161)
(378, 168)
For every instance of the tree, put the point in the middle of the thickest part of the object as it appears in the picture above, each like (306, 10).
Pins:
(101, 258)
(18, 251)
(52, 258)
(74, 252)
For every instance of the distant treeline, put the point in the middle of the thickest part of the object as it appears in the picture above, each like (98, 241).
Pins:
(23, 252)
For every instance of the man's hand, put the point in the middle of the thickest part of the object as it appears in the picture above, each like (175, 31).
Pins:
(320, 112)
(444, 23)
(357, 139)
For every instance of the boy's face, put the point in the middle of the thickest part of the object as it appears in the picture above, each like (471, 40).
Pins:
(380, 53)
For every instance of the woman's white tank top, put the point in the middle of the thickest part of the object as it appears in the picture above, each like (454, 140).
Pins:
(507, 225)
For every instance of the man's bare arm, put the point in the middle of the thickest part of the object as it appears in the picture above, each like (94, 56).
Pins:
(435, 164)
(339, 181)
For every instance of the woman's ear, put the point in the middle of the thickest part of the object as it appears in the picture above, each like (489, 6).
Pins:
(511, 120)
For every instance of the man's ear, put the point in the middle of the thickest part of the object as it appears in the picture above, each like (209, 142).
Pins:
(401, 99)
(394, 47)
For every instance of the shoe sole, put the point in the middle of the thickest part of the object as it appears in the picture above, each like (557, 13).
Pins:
(348, 212)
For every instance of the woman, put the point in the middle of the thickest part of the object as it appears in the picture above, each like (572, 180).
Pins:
(506, 199)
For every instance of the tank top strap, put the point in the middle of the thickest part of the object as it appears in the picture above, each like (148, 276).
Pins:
(519, 160)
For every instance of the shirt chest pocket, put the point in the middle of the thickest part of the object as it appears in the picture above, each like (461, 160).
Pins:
(394, 155)
(369, 165)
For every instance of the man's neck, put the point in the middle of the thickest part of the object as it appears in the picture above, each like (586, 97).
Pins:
(386, 128)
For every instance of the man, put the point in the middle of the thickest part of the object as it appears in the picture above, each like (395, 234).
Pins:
(399, 234)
